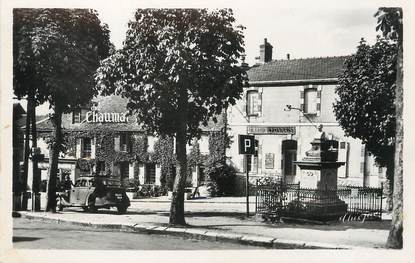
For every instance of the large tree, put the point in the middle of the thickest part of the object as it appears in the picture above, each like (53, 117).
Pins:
(56, 53)
(178, 67)
(365, 106)
(370, 105)
(391, 25)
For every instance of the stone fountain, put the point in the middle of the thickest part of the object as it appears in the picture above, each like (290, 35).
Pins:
(319, 172)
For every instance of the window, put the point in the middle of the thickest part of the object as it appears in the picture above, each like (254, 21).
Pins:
(289, 156)
(249, 159)
(204, 144)
(310, 101)
(124, 138)
(151, 140)
(76, 116)
(124, 170)
(201, 174)
(86, 147)
(150, 173)
(100, 167)
(252, 103)
(380, 170)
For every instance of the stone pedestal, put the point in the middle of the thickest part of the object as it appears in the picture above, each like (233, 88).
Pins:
(319, 175)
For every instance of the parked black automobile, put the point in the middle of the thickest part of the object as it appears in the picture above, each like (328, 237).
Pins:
(92, 193)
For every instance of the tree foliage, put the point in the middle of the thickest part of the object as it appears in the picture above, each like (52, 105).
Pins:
(56, 52)
(365, 106)
(178, 68)
(390, 23)
(167, 51)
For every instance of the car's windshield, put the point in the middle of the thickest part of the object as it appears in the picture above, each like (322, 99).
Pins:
(86, 182)
(83, 182)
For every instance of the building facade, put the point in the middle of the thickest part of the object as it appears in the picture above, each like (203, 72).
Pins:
(101, 140)
(282, 106)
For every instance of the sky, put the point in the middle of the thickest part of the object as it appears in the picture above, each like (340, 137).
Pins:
(302, 29)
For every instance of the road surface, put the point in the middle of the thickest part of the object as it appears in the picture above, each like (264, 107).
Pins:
(35, 234)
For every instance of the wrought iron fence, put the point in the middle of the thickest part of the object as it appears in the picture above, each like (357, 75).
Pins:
(279, 199)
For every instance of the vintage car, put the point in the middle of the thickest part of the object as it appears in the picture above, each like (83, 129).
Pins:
(92, 193)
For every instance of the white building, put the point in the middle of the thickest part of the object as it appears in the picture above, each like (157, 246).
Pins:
(308, 86)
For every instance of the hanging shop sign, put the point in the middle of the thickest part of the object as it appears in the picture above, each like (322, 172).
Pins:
(278, 130)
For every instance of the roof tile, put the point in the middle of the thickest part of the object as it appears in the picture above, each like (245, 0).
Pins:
(298, 69)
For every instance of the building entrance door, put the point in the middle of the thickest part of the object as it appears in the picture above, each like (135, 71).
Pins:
(150, 173)
(289, 156)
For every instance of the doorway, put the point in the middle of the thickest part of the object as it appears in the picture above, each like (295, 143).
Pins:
(150, 173)
(289, 156)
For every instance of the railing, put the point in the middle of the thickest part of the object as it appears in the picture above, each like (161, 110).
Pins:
(289, 200)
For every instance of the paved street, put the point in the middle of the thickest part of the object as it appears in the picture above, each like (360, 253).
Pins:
(227, 216)
(34, 234)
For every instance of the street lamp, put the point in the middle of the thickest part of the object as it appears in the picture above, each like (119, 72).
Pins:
(289, 107)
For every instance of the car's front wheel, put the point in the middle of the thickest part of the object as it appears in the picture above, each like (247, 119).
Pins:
(91, 204)
(121, 209)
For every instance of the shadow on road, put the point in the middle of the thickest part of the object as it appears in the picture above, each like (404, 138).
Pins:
(24, 239)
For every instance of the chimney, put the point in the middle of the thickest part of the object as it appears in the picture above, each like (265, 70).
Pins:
(265, 52)
(288, 56)
(244, 65)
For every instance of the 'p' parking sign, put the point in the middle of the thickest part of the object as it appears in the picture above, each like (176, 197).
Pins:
(246, 144)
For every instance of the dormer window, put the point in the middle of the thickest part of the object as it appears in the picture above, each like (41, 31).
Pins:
(76, 116)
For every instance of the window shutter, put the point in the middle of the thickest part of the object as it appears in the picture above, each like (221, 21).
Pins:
(131, 171)
(259, 102)
(302, 107)
(129, 143)
(259, 157)
(116, 169)
(318, 100)
(78, 147)
(117, 143)
(93, 148)
(255, 165)
(244, 103)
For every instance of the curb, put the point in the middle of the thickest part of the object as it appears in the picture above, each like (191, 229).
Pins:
(198, 233)
(196, 201)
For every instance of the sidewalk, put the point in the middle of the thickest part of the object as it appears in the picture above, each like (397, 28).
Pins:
(225, 219)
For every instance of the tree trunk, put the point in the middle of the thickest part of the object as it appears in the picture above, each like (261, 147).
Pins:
(53, 160)
(395, 233)
(390, 167)
(26, 152)
(177, 201)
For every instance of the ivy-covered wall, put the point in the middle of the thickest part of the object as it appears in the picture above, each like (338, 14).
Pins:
(163, 152)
